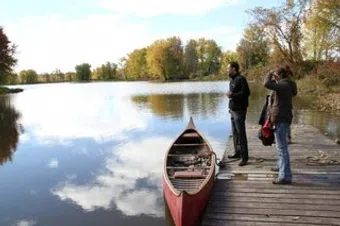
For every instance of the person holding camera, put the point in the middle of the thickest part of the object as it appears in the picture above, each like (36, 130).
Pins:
(280, 113)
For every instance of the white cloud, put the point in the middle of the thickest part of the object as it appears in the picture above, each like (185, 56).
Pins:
(54, 163)
(128, 163)
(26, 223)
(47, 43)
(149, 8)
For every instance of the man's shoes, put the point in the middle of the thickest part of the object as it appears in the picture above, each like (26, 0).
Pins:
(235, 156)
(242, 163)
(281, 181)
(274, 169)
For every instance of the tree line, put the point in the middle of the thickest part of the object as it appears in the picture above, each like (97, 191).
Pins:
(301, 33)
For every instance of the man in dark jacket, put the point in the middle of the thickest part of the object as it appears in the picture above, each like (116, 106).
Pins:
(280, 113)
(238, 103)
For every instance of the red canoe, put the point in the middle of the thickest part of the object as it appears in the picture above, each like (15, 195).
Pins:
(188, 176)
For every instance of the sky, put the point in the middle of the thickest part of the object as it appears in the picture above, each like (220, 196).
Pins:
(59, 34)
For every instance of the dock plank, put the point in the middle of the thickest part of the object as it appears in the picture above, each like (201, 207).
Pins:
(246, 196)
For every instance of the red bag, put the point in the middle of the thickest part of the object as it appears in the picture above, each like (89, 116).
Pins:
(267, 130)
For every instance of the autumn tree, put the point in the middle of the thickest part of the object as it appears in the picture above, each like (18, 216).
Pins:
(122, 68)
(136, 64)
(106, 71)
(157, 58)
(253, 48)
(57, 75)
(7, 60)
(323, 30)
(282, 25)
(70, 76)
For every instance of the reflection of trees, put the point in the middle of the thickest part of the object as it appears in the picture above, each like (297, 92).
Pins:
(9, 129)
(175, 104)
(203, 103)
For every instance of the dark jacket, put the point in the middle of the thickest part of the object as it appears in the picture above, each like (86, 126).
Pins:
(280, 103)
(263, 115)
(239, 88)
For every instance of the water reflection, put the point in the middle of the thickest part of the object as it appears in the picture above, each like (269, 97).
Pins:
(179, 105)
(72, 112)
(95, 151)
(131, 181)
(10, 129)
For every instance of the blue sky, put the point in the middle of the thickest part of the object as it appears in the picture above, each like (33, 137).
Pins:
(60, 34)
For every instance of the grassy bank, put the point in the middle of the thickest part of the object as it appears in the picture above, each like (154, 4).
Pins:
(5, 90)
(323, 97)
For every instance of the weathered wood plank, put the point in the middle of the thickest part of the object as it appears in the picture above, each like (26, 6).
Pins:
(283, 220)
(213, 222)
(273, 190)
(273, 212)
(246, 196)
(236, 199)
(275, 206)
(288, 196)
(225, 184)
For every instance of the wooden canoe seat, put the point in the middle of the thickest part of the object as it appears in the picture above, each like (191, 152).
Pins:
(188, 174)
(191, 135)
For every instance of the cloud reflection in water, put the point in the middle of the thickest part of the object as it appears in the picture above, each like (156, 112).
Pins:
(129, 163)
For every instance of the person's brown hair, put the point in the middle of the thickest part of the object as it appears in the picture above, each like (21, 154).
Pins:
(282, 72)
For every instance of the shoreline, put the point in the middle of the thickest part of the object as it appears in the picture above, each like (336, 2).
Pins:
(320, 97)
(5, 90)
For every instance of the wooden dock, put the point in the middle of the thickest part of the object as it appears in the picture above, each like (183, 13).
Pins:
(246, 196)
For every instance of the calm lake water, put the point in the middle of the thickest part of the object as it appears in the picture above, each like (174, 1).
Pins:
(92, 153)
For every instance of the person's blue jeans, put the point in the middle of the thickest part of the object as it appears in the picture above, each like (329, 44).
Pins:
(283, 162)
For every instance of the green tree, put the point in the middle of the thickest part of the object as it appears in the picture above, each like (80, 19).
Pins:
(190, 58)
(253, 49)
(13, 78)
(7, 60)
(209, 56)
(83, 72)
(175, 57)
(28, 76)
(226, 58)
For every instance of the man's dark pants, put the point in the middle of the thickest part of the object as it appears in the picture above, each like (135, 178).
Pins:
(238, 125)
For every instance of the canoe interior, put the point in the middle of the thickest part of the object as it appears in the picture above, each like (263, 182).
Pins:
(189, 161)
